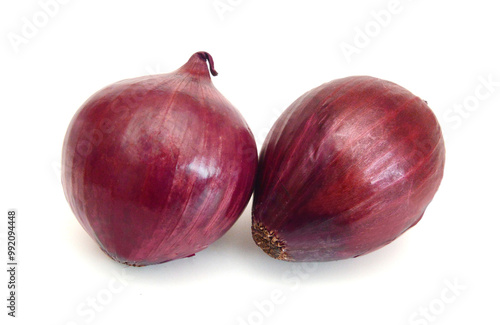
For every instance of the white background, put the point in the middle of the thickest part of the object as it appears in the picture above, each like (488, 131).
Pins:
(268, 53)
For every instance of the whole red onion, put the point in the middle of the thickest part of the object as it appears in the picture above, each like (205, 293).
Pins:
(346, 169)
(157, 168)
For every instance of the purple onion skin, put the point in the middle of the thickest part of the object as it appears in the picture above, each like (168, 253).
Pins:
(345, 170)
(159, 167)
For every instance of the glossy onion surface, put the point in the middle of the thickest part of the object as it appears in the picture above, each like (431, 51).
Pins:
(157, 168)
(345, 170)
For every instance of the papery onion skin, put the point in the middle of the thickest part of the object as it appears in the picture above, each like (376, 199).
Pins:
(157, 168)
(345, 170)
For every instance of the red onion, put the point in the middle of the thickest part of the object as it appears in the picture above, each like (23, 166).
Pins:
(345, 170)
(157, 168)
